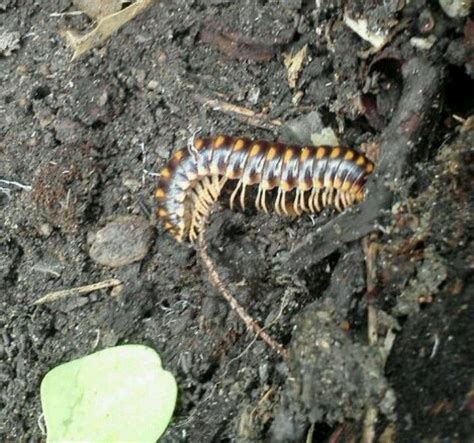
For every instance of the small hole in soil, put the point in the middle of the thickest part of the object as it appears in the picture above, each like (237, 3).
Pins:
(40, 92)
(458, 88)
(98, 125)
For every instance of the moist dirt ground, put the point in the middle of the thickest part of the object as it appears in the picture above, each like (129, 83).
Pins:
(379, 332)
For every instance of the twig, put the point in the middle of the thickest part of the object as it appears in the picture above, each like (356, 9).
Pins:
(17, 184)
(370, 251)
(70, 13)
(246, 115)
(216, 281)
(398, 142)
(368, 432)
(64, 293)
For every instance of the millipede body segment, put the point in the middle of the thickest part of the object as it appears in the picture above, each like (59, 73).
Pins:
(305, 179)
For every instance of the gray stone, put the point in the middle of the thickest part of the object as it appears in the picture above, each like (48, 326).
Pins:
(122, 241)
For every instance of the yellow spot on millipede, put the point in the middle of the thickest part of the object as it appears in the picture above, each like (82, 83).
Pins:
(370, 167)
(304, 154)
(320, 153)
(160, 193)
(288, 155)
(162, 212)
(360, 160)
(349, 155)
(271, 153)
(178, 155)
(335, 152)
(337, 183)
(165, 172)
(346, 185)
(285, 186)
(239, 144)
(219, 141)
(255, 150)
(198, 143)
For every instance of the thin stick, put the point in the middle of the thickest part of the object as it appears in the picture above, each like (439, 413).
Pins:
(250, 117)
(216, 281)
(64, 293)
(370, 248)
(17, 184)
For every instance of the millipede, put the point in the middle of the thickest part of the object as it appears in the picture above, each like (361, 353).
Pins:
(305, 179)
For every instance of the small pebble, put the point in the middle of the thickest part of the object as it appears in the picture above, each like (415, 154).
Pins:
(122, 241)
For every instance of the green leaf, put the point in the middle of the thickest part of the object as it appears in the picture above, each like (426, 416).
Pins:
(117, 394)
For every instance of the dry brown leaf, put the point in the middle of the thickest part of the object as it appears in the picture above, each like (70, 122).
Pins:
(294, 63)
(104, 29)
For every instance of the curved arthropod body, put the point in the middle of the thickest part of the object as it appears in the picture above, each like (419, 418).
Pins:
(305, 179)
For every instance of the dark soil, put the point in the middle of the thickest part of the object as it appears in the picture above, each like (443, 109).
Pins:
(83, 135)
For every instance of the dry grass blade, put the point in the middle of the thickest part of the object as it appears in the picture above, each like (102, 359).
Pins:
(64, 293)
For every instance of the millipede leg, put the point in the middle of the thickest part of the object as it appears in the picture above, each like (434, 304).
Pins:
(337, 201)
(214, 188)
(297, 203)
(222, 182)
(314, 200)
(203, 193)
(283, 203)
(234, 194)
(242, 196)
(330, 196)
(257, 200)
(311, 201)
(264, 203)
(201, 204)
(303, 201)
(277, 202)
(324, 198)
(344, 199)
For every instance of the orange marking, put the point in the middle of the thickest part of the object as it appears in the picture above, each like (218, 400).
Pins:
(360, 160)
(336, 152)
(317, 183)
(349, 155)
(178, 155)
(165, 172)
(304, 154)
(285, 186)
(198, 143)
(370, 167)
(288, 155)
(272, 152)
(219, 141)
(160, 193)
(162, 212)
(320, 153)
(255, 150)
(239, 144)
(346, 185)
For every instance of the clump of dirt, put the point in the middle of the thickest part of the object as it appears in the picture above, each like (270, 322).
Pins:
(62, 189)
(377, 331)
